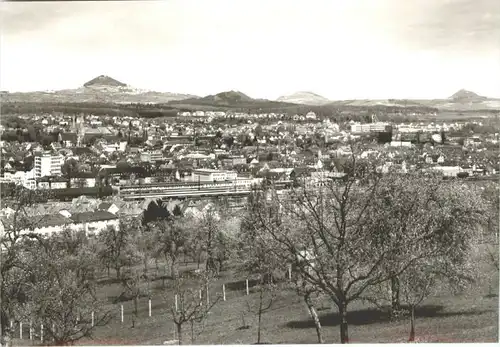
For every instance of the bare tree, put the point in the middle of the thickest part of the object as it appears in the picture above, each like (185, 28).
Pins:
(191, 307)
(330, 224)
(425, 278)
(307, 292)
(338, 224)
(267, 297)
(256, 261)
(135, 283)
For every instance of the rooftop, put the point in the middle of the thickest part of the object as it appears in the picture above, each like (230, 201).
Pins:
(85, 217)
(50, 220)
(207, 171)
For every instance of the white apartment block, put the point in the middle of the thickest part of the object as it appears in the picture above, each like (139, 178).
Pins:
(47, 164)
(369, 127)
(26, 179)
(208, 175)
(151, 156)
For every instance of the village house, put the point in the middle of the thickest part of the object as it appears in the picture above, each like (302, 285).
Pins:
(92, 223)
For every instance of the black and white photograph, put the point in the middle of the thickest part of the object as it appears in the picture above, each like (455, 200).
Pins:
(241, 172)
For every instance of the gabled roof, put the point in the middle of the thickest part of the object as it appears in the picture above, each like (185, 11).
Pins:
(81, 150)
(105, 206)
(82, 174)
(303, 170)
(85, 217)
(50, 220)
(68, 136)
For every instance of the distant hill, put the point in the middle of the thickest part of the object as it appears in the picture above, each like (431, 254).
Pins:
(462, 100)
(230, 99)
(102, 89)
(104, 81)
(466, 95)
(107, 90)
(304, 98)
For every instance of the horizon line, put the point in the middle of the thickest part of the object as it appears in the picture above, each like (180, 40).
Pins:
(145, 90)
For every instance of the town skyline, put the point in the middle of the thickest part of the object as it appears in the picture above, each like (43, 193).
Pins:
(339, 50)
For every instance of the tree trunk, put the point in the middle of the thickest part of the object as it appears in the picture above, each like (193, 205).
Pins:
(258, 325)
(395, 301)
(314, 315)
(163, 277)
(173, 269)
(210, 263)
(344, 333)
(179, 333)
(260, 315)
(221, 265)
(412, 323)
(192, 332)
(135, 306)
(3, 316)
(146, 265)
(118, 273)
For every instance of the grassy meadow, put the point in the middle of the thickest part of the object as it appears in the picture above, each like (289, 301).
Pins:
(470, 316)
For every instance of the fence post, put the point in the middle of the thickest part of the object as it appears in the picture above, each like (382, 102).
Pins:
(150, 307)
(201, 302)
(224, 292)
(41, 332)
(176, 307)
(92, 316)
(31, 331)
(11, 324)
(208, 296)
(21, 330)
(247, 287)
(290, 272)
(122, 312)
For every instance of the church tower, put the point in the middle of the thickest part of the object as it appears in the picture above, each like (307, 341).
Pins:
(80, 130)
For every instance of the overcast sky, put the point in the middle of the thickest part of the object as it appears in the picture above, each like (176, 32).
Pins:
(349, 49)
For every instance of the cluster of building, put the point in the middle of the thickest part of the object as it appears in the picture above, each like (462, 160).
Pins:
(242, 115)
(128, 154)
(122, 150)
(90, 222)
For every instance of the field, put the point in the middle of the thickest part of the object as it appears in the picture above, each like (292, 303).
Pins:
(471, 316)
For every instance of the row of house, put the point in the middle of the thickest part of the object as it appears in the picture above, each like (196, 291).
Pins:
(92, 222)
